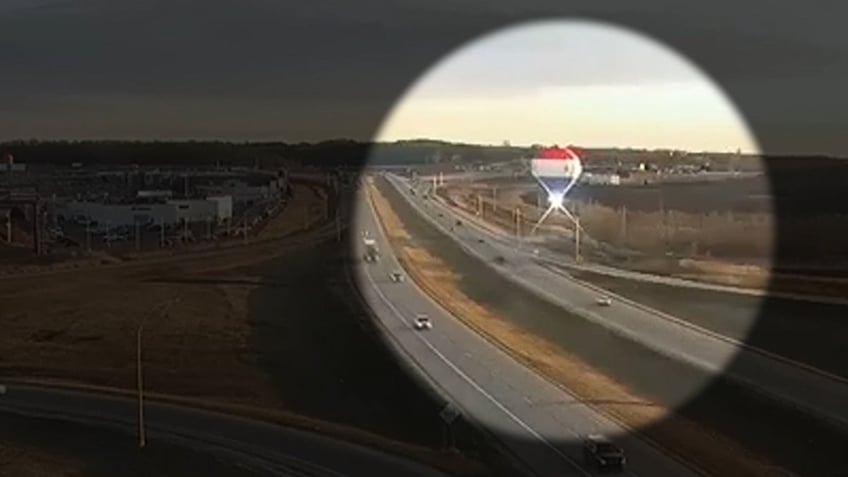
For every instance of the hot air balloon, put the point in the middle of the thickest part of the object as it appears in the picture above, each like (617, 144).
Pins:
(556, 169)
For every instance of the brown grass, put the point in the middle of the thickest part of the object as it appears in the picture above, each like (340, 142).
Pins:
(708, 450)
(81, 325)
(77, 329)
(698, 233)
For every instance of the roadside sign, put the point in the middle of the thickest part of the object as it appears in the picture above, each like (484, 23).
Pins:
(449, 413)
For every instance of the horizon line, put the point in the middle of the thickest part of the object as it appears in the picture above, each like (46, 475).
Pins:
(19, 141)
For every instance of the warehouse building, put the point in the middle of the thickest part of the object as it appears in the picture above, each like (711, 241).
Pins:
(217, 209)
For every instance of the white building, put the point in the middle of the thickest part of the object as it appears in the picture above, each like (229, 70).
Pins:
(115, 215)
(601, 179)
(224, 206)
(171, 212)
(215, 208)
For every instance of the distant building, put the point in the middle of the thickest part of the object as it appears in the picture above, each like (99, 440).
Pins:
(170, 212)
(601, 179)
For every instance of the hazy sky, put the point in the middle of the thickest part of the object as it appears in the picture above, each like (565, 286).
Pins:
(293, 70)
(584, 83)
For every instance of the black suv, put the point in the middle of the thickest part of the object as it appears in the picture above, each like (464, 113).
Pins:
(601, 453)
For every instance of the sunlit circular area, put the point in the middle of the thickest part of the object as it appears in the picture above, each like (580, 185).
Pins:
(580, 198)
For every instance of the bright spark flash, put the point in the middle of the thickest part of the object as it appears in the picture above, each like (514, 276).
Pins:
(556, 202)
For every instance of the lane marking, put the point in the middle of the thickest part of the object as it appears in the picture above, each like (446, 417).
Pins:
(601, 416)
(678, 321)
(679, 355)
(458, 371)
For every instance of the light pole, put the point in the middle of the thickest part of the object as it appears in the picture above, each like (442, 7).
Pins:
(142, 437)
(577, 257)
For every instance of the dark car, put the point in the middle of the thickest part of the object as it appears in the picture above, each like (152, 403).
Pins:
(603, 454)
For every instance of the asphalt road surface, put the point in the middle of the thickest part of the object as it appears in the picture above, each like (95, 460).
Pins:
(541, 424)
(812, 390)
(808, 332)
(268, 448)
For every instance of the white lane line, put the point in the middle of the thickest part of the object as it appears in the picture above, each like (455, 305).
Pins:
(461, 374)
(594, 420)
(473, 383)
(633, 335)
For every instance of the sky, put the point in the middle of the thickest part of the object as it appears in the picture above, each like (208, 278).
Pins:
(290, 70)
(570, 82)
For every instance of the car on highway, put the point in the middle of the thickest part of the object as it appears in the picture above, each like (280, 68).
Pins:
(397, 276)
(604, 301)
(422, 322)
(601, 453)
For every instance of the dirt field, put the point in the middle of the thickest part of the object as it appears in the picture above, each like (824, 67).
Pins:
(614, 372)
(257, 329)
(81, 325)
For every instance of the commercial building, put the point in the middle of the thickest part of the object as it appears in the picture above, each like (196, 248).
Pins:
(601, 179)
(168, 212)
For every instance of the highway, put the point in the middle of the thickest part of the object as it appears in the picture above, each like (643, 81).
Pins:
(540, 423)
(812, 390)
(266, 448)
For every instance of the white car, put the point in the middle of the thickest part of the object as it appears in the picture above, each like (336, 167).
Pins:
(604, 301)
(422, 322)
(397, 276)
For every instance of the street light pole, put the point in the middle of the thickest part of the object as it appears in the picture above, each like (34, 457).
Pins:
(142, 436)
(577, 239)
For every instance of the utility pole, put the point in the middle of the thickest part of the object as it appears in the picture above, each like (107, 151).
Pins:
(137, 235)
(577, 239)
(624, 225)
(518, 223)
(142, 437)
(162, 232)
(209, 228)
